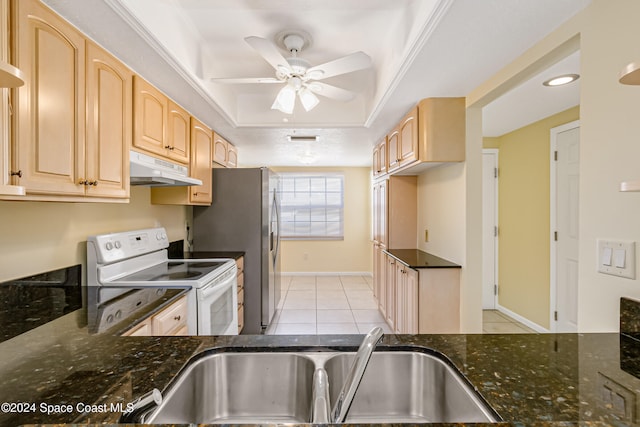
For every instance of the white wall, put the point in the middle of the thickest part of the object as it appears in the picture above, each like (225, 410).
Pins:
(40, 236)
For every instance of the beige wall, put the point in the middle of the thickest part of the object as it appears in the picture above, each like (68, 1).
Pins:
(351, 255)
(38, 236)
(523, 212)
(608, 37)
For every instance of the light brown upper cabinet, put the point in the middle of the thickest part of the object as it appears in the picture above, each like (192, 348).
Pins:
(232, 156)
(159, 125)
(408, 144)
(49, 110)
(201, 143)
(109, 117)
(225, 154)
(432, 132)
(72, 121)
(178, 133)
(380, 158)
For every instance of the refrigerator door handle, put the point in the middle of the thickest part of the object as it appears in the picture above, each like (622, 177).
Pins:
(271, 241)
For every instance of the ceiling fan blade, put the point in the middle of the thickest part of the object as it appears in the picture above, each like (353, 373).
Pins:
(269, 52)
(347, 64)
(331, 92)
(247, 80)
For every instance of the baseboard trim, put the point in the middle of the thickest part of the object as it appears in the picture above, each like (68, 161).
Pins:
(522, 320)
(327, 273)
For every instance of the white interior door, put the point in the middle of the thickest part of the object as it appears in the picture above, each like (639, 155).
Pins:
(566, 234)
(489, 229)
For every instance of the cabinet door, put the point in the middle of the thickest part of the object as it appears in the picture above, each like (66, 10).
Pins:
(375, 162)
(408, 145)
(411, 301)
(219, 150)
(381, 282)
(383, 224)
(109, 99)
(201, 137)
(400, 325)
(393, 150)
(142, 329)
(178, 133)
(150, 113)
(232, 156)
(170, 319)
(382, 156)
(49, 121)
(390, 300)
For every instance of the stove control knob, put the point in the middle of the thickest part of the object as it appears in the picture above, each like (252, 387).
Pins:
(118, 314)
(159, 236)
(117, 244)
(109, 246)
(110, 318)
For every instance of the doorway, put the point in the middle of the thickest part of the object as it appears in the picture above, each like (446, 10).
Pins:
(564, 220)
(489, 228)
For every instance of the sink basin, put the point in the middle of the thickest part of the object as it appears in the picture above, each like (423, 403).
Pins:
(408, 387)
(240, 388)
(260, 387)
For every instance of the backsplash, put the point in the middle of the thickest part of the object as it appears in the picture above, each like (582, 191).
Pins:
(33, 301)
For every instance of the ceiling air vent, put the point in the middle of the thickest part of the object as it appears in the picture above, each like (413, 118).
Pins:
(302, 138)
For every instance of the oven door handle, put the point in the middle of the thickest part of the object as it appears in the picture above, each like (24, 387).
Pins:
(215, 287)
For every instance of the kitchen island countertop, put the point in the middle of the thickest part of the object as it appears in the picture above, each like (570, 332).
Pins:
(527, 379)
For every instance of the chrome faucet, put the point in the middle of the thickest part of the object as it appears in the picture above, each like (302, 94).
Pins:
(137, 409)
(356, 372)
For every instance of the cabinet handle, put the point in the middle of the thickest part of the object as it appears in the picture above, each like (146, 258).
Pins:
(177, 318)
(94, 183)
(195, 194)
(83, 181)
(18, 174)
(168, 147)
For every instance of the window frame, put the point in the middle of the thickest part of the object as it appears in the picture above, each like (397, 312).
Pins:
(284, 209)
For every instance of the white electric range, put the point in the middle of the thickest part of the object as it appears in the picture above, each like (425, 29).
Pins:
(127, 271)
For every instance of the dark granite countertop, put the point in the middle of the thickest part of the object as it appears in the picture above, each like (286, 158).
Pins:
(527, 379)
(415, 258)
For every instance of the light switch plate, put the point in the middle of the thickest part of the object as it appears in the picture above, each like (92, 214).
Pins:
(617, 258)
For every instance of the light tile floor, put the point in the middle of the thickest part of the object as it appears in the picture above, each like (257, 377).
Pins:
(315, 305)
(495, 322)
(326, 305)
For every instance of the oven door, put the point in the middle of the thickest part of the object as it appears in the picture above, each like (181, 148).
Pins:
(218, 306)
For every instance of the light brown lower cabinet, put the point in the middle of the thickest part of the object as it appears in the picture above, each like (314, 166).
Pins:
(170, 321)
(419, 301)
(240, 279)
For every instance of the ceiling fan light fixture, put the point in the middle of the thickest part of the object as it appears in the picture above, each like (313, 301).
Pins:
(286, 99)
(308, 99)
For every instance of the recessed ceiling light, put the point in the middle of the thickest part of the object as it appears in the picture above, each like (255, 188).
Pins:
(561, 80)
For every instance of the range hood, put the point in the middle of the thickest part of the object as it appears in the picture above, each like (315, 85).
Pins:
(153, 172)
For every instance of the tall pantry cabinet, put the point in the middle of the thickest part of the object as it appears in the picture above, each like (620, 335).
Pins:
(395, 207)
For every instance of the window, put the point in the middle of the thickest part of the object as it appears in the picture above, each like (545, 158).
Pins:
(312, 206)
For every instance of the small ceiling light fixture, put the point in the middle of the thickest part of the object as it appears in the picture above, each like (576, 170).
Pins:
(630, 75)
(561, 80)
(303, 138)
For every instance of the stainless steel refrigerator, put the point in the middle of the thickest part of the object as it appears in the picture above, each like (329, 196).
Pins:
(245, 216)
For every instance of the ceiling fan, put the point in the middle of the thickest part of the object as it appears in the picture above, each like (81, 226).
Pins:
(299, 77)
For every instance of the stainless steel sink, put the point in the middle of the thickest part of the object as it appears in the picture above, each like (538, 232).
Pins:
(408, 387)
(248, 388)
(240, 388)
